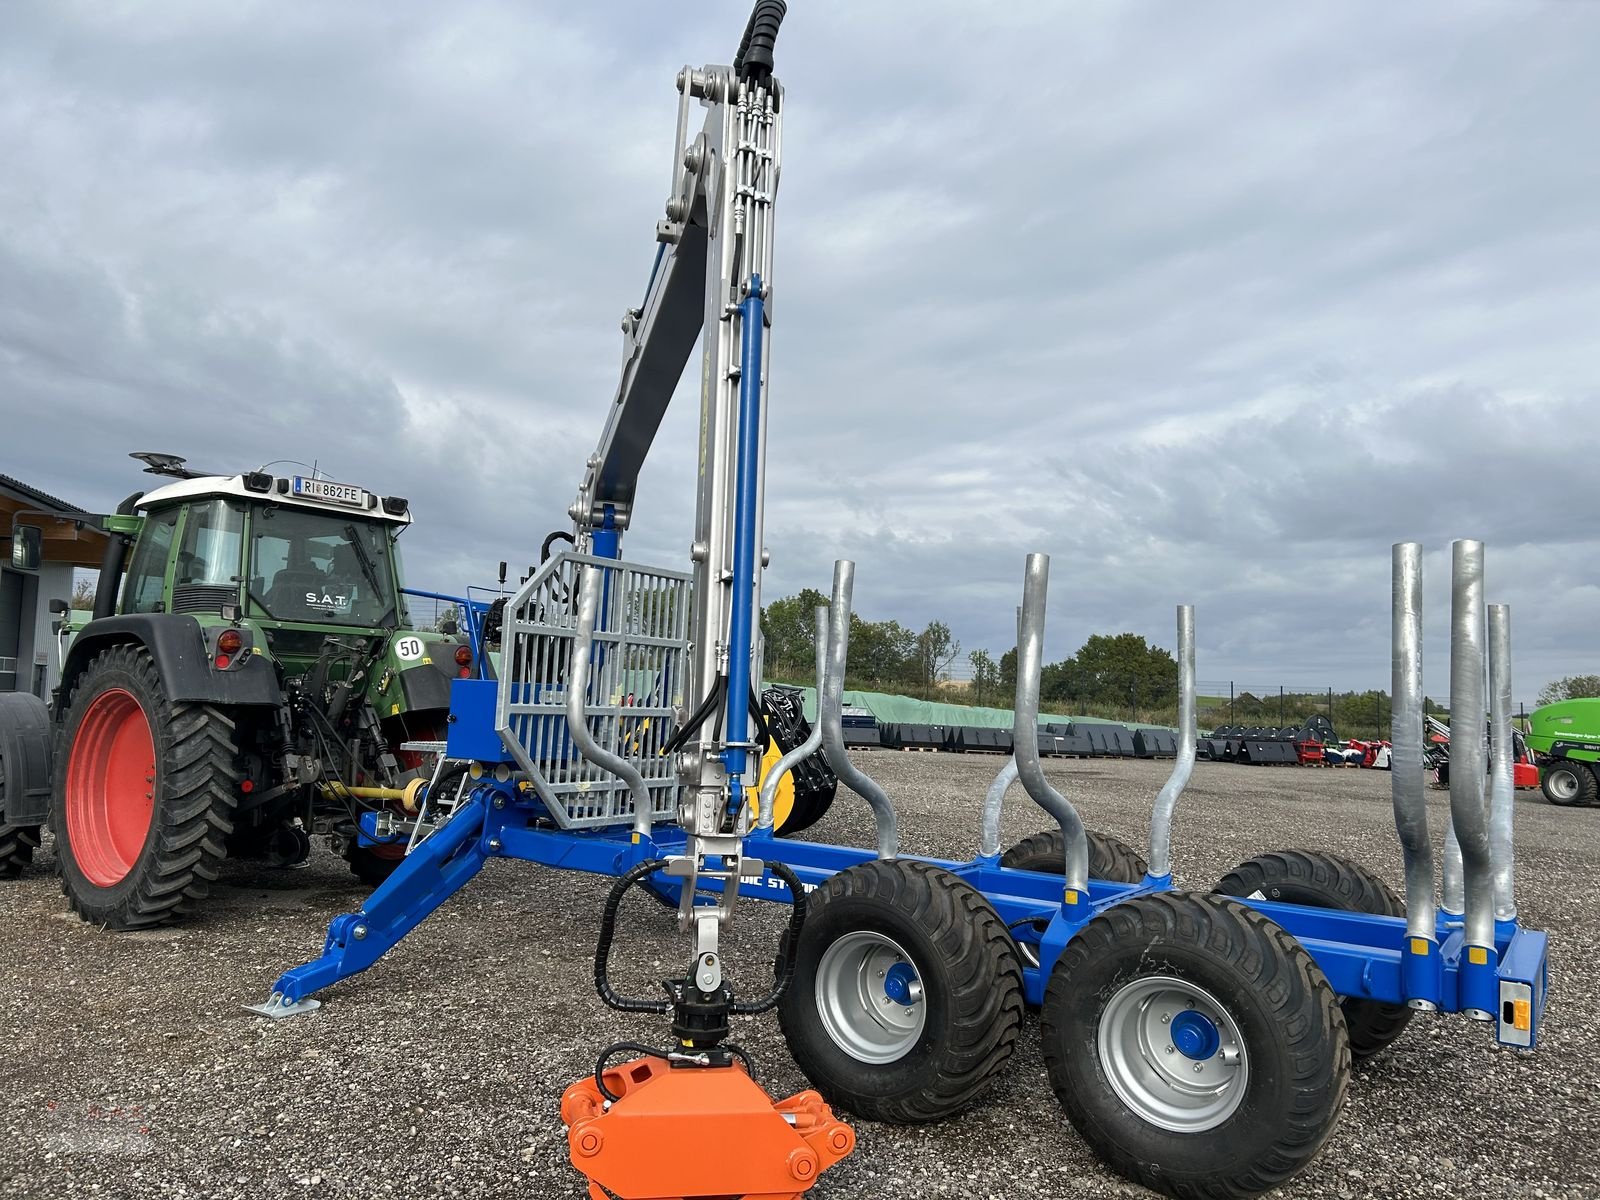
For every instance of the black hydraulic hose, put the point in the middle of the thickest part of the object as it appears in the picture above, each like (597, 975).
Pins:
(550, 539)
(788, 951)
(760, 37)
(608, 930)
(618, 1048)
(697, 718)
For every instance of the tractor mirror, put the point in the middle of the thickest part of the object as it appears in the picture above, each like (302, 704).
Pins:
(27, 547)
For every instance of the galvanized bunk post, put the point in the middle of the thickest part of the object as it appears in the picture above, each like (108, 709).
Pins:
(1160, 869)
(1502, 790)
(1025, 732)
(830, 714)
(1421, 965)
(1468, 817)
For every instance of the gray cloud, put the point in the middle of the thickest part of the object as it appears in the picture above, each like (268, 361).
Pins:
(1212, 303)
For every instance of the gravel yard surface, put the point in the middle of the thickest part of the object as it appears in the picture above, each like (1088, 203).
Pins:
(132, 1071)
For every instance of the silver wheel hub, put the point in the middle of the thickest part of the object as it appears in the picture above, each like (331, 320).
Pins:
(1173, 1054)
(870, 998)
(1563, 783)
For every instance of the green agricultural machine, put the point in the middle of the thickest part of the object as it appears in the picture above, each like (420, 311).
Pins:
(248, 679)
(1566, 737)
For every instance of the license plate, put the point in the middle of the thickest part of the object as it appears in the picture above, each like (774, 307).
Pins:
(338, 493)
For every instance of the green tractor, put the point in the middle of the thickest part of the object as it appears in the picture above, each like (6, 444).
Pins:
(1566, 736)
(248, 679)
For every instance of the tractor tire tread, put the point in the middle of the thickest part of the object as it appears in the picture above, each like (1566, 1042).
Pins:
(17, 844)
(198, 766)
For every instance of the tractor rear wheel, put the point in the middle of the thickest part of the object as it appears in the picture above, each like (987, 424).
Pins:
(1328, 881)
(143, 797)
(1569, 784)
(1195, 1045)
(1110, 858)
(17, 844)
(906, 996)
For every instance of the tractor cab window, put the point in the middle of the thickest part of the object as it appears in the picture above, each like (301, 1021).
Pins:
(147, 573)
(320, 567)
(209, 554)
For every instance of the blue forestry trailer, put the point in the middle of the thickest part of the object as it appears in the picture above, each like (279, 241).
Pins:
(1200, 1042)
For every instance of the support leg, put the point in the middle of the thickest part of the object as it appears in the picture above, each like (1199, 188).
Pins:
(425, 879)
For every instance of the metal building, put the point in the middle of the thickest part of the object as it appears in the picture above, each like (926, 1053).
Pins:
(71, 538)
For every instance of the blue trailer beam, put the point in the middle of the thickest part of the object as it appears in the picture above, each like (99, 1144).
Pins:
(1363, 955)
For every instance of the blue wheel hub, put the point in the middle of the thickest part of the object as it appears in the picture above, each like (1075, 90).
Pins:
(1194, 1035)
(897, 983)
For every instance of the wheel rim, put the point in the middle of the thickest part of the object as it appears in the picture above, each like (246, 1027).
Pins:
(110, 788)
(870, 997)
(1563, 784)
(1173, 1054)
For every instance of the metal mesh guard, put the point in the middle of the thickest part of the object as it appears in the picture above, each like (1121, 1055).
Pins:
(636, 681)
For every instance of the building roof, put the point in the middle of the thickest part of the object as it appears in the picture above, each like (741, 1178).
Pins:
(38, 497)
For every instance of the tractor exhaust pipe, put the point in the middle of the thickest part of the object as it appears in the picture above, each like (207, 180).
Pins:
(1167, 798)
(830, 714)
(1025, 728)
(1503, 753)
(769, 789)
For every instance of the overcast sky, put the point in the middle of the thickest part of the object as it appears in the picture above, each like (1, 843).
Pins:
(1211, 302)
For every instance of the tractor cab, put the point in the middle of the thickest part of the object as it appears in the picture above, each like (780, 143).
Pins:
(272, 549)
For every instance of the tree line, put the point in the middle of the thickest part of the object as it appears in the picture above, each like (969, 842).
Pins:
(1120, 670)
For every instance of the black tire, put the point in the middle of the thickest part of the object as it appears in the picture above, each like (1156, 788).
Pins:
(1290, 1031)
(810, 806)
(1329, 881)
(17, 844)
(971, 985)
(195, 786)
(371, 867)
(1110, 858)
(1568, 783)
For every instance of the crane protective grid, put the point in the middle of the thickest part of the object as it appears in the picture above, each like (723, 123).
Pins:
(636, 683)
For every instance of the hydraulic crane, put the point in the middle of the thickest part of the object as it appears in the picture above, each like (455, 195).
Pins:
(602, 659)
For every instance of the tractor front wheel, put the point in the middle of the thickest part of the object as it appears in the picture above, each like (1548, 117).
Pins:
(143, 796)
(1195, 1045)
(1569, 784)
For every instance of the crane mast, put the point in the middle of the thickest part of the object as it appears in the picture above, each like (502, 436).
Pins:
(715, 239)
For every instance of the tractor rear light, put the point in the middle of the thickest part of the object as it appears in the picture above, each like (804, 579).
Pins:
(395, 506)
(463, 656)
(464, 673)
(230, 641)
(247, 786)
(222, 661)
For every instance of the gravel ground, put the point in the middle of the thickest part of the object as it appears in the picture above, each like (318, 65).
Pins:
(133, 1071)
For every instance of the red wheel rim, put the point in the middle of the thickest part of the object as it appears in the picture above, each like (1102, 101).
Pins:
(111, 783)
